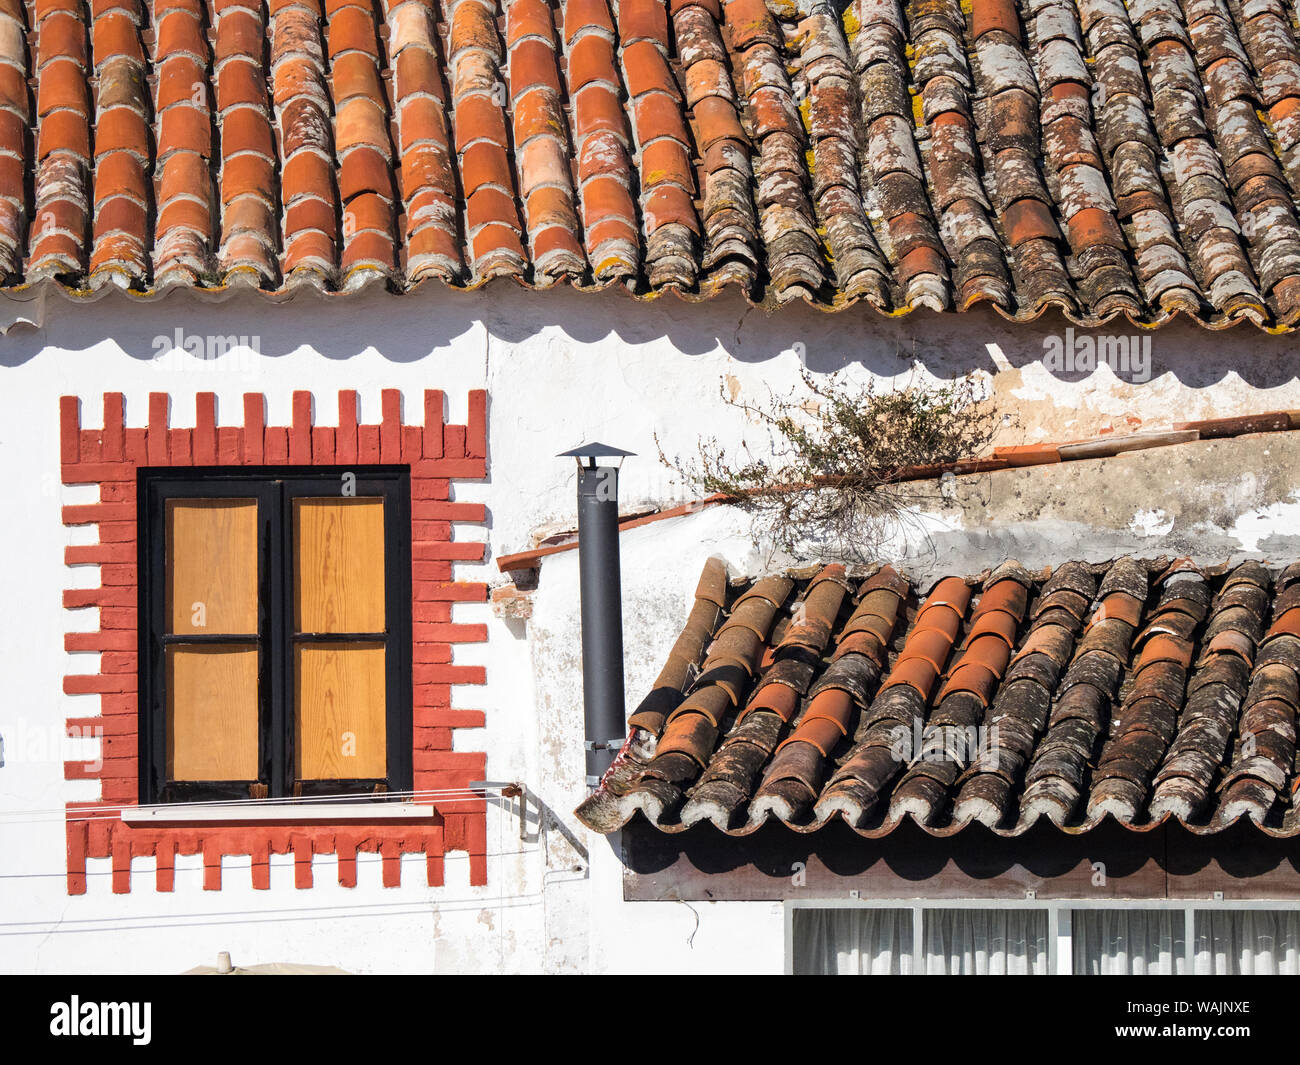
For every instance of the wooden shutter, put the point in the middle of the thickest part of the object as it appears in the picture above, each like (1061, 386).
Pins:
(212, 706)
(340, 687)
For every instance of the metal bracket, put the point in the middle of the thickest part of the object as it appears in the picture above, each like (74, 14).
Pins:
(604, 745)
(509, 789)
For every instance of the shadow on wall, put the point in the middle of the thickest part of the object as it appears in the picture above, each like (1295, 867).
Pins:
(431, 320)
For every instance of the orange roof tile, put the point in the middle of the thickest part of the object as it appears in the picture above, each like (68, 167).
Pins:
(1102, 160)
(1083, 722)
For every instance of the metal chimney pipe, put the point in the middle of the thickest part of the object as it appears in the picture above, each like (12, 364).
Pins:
(600, 583)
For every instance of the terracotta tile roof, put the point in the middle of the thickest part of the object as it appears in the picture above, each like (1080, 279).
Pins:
(1133, 690)
(1136, 160)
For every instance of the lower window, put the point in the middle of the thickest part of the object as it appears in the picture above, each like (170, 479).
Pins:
(1248, 942)
(867, 940)
(275, 639)
(1129, 942)
(852, 941)
(1101, 941)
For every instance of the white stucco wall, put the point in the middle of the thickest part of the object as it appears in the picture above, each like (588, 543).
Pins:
(560, 368)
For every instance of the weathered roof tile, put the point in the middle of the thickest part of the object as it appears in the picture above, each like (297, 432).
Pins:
(1130, 690)
(1100, 158)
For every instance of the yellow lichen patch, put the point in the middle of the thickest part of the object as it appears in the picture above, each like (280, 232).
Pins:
(610, 263)
(849, 20)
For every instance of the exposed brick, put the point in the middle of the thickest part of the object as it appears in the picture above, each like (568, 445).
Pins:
(114, 449)
(135, 446)
(430, 571)
(433, 870)
(94, 472)
(69, 429)
(460, 591)
(117, 492)
(89, 513)
(434, 402)
(390, 431)
(166, 869)
(443, 511)
(431, 489)
(92, 683)
(300, 433)
(437, 569)
(322, 446)
(432, 739)
(121, 867)
(455, 718)
(476, 427)
(261, 855)
(110, 459)
(453, 437)
(112, 640)
(211, 867)
(118, 572)
(456, 633)
(456, 551)
(114, 704)
(347, 851)
(159, 407)
(392, 857)
(422, 529)
(254, 428)
(90, 445)
(116, 532)
(76, 598)
(231, 442)
(302, 854)
(205, 429)
(80, 771)
(180, 447)
(345, 441)
(432, 696)
(412, 444)
(444, 674)
(453, 468)
(277, 446)
(452, 761)
(367, 443)
(117, 617)
(77, 844)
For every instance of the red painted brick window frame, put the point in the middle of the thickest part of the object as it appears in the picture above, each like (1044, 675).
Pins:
(438, 454)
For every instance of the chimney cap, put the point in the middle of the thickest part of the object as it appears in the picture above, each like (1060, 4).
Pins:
(596, 450)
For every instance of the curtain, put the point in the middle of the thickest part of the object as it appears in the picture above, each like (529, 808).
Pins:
(1129, 942)
(986, 942)
(853, 941)
(1248, 942)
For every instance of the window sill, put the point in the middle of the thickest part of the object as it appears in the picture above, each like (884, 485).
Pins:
(285, 813)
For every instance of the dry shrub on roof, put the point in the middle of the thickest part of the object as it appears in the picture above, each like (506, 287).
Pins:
(832, 485)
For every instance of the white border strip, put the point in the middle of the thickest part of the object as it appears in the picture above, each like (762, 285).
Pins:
(294, 813)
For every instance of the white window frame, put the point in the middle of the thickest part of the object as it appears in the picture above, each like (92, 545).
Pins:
(1060, 940)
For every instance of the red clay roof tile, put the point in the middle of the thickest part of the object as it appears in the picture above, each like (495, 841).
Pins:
(783, 209)
(1163, 724)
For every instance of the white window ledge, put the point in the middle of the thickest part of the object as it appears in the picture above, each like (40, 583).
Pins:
(293, 813)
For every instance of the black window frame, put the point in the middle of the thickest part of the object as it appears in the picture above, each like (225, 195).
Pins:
(275, 488)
